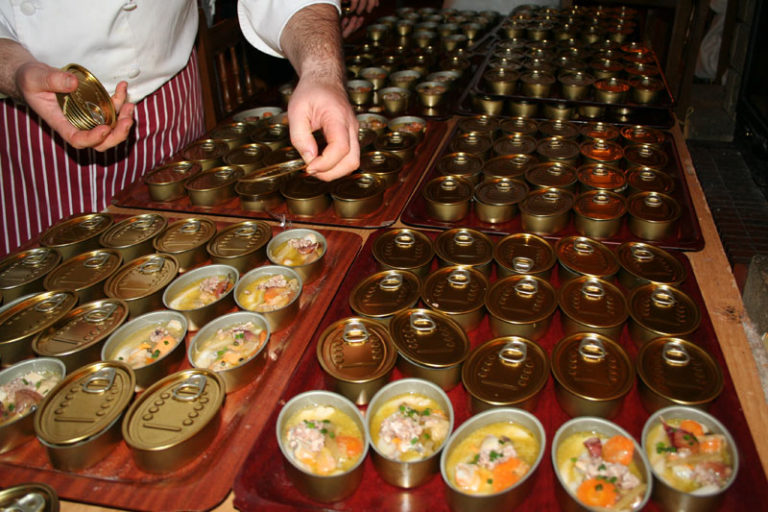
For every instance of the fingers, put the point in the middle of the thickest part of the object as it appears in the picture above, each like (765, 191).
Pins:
(350, 24)
(342, 154)
(121, 129)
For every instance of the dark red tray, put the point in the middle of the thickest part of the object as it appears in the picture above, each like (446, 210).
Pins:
(262, 483)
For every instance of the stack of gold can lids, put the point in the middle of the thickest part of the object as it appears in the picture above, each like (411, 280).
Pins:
(89, 105)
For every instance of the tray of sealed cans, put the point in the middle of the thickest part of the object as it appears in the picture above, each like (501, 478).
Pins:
(245, 169)
(556, 178)
(392, 354)
(145, 352)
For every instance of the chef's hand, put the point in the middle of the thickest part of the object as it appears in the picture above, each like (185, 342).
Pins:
(350, 23)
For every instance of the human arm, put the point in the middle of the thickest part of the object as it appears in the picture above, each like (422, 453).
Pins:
(354, 19)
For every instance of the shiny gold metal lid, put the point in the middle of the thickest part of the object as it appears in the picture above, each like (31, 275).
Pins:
(82, 327)
(250, 155)
(559, 128)
(459, 164)
(142, 277)
(448, 190)
(508, 166)
(645, 179)
(27, 266)
(88, 106)
(471, 142)
(403, 249)
(592, 367)
(282, 155)
(34, 314)
(601, 176)
(646, 155)
(600, 205)
(173, 172)
(386, 293)
(429, 338)
(583, 255)
(84, 270)
(501, 191)
(75, 230)
(215, 178)
(601, 151)
(593, 302)
(380, 162)
(173, 410)
(524, 253)
(240, 239)
(455, 290)
(464, 246)
(521, 299)
(648, 262)
(547, 202)
(664, 310)
(505, 371)
(233, 134)
(641, 134)
(357, 187)
(478, 123)
(557, 149)
(551, 174)
(185, 235)
(302, 186)
(133, 231)
(356, 350)
(30, 497)
(599, 130)
(521, 125)
(514, 144)
(653, 207)
(85, 403)
(205, 151)
(679, 371)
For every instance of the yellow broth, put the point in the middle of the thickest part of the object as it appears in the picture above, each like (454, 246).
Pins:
(230, 347)
(200, 293)
(268, 293)
(149, 344)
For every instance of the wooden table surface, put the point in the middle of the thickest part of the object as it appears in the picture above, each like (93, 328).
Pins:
(721, 296)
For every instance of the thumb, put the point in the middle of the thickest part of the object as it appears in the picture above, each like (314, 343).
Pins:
(304, 142)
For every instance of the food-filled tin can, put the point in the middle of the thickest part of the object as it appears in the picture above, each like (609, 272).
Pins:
(658, 310)
(646, 155)
(447, 198)
(357, 356)
(652, 215)
(175, 420)
(305, 196)
(521, 305)
(551, 175)
(591, 304)
(132, 237)
(242, 245)
(581, 256)
(593, 374)
(514, 144)
(643, 263)
(404, 249)
(508, 166)
(463, 165)
(248, 157)
(431, 346)
(213, 186)
(215, 281)
(85, 274)
(306, 242)
(166, 183)
(207, 153)
(642, 134)
(384, 294)
(141, 281)
(546, 210)
(76, 234)
(524, 253)
(383, 164)
(509, 371)
(598, 213)
(497, 200)
(233, 134)
(258, 195)
(277, 318)
(458, 292)
(465, 246)
(186, 239)
(78, 421)
(357, 195)
(35, 496)
(23, 272)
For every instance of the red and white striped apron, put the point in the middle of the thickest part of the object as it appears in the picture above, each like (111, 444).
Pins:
(43, 179)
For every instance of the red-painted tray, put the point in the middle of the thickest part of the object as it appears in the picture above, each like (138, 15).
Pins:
(262, 483)
(686, 236)
(117, 482)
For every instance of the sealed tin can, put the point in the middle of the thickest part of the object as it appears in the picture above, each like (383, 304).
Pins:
(272, 135)
(604, 68)
(404, 249)
(652, 215)
(476, 143)
(546, 210)
(166, 183)
(431, 346)
(508, 166)
(558, 111)
(581, 256)
(384, 294)
(232, 134)
(598, 213)
(646, 179)
(465, 246)
(242, 245)
(461, 164)
(175, 420)
(357, 195)
(601, 176)
(589, 111)
(611, 90)
(551, 175)
(575, 85)
(202, 294)
(85, 274)
(35, 496)
(258, 195)
(641, 134)
(519, 125)
(23, 272)
(305, 196)
(646, 155)
(558, 149)
(458, 292)
(599, 130)
(514, 144)
(497, 200)
(500, 81)
(643, 263)
(357, 356)
(521, 305)
(247, 156)
(487, 104)
(601, 151)
(207, 153)
(559, 128)
(383, 164)
(593, 374)
(447, 198)
(482, 123)
(132, 237)
(213, 186)
(76, 234)
(524, 108)
(658, 310)
(524, 253)
(646, 89)
(186, 239)
(141, 281)
(510, 371)
(78, 421)
(536, 83)
(23, 319)
(591, 304)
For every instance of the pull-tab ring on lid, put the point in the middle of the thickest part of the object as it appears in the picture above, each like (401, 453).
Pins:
(208, 145)
(663, 299)
(391, 282)
(459, 278)
(355, 333)
(224, 173)
(100, 381)
(405, 239)
(593, 290)
(192, 226)
(245, 231)
(181, 168)
(522, 264)
(641, 253)
(35, 258)
(646, 175)
(143, 223)
(504, 186)
(91, 222)
(463, 238)
(191, 388)
(51, 303)
(675, 354)
(96, 260)
(513, 353)
(653, 201)
(152, 265)
(449, 184)
(583, 247)
(422, 323)
(527, 287)
(592, 349)
(601, 198)
(100, 314)
(366, 181)
(551, 196)
(30, 502)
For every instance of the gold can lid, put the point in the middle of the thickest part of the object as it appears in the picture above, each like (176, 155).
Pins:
(505, 371)
(282, 155)
(142, 277)
(646, 179)
(548, 202)
(83, 326)
(646, 155)
(559, 128)
(509, 166)
(230, 132)
(551, 174)
(133, 231)
(651, 263)
(478, 123)
(514, 144)
(303, 186)
(600, 205)
(601, 150)
(521, 299)
(85, 403)
(461, 164)
(240, 239)
(251, 154)
(653, 207)
(88, 106)
(429, 338)
(464, 246)
(173, 172)
(641, 134)
(539, 77)
(592, 366)
(380, 162)
(601, 176)
(386, 293)
(34, 314)
(679, 371)
(501, 191)
(36, 496)
(586, 256)
(448, 190)
(600, 130)
(520, 125)
(185, 235)
(27, 266)
(271, 133)
(84, 270)
(75, 230)
(215, 178)
(403, 249)
(455, 289)
(576, 78)
(357, 187)
(557, 149)
(471, 142)
(257, 189)
(396, 141)
(664, 309)
(593, 302)
(205, 150)
(524, 253)
(173, 410)
(356, 350)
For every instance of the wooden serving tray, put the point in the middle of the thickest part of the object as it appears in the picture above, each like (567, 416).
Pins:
(117, 482)
(263, 485)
